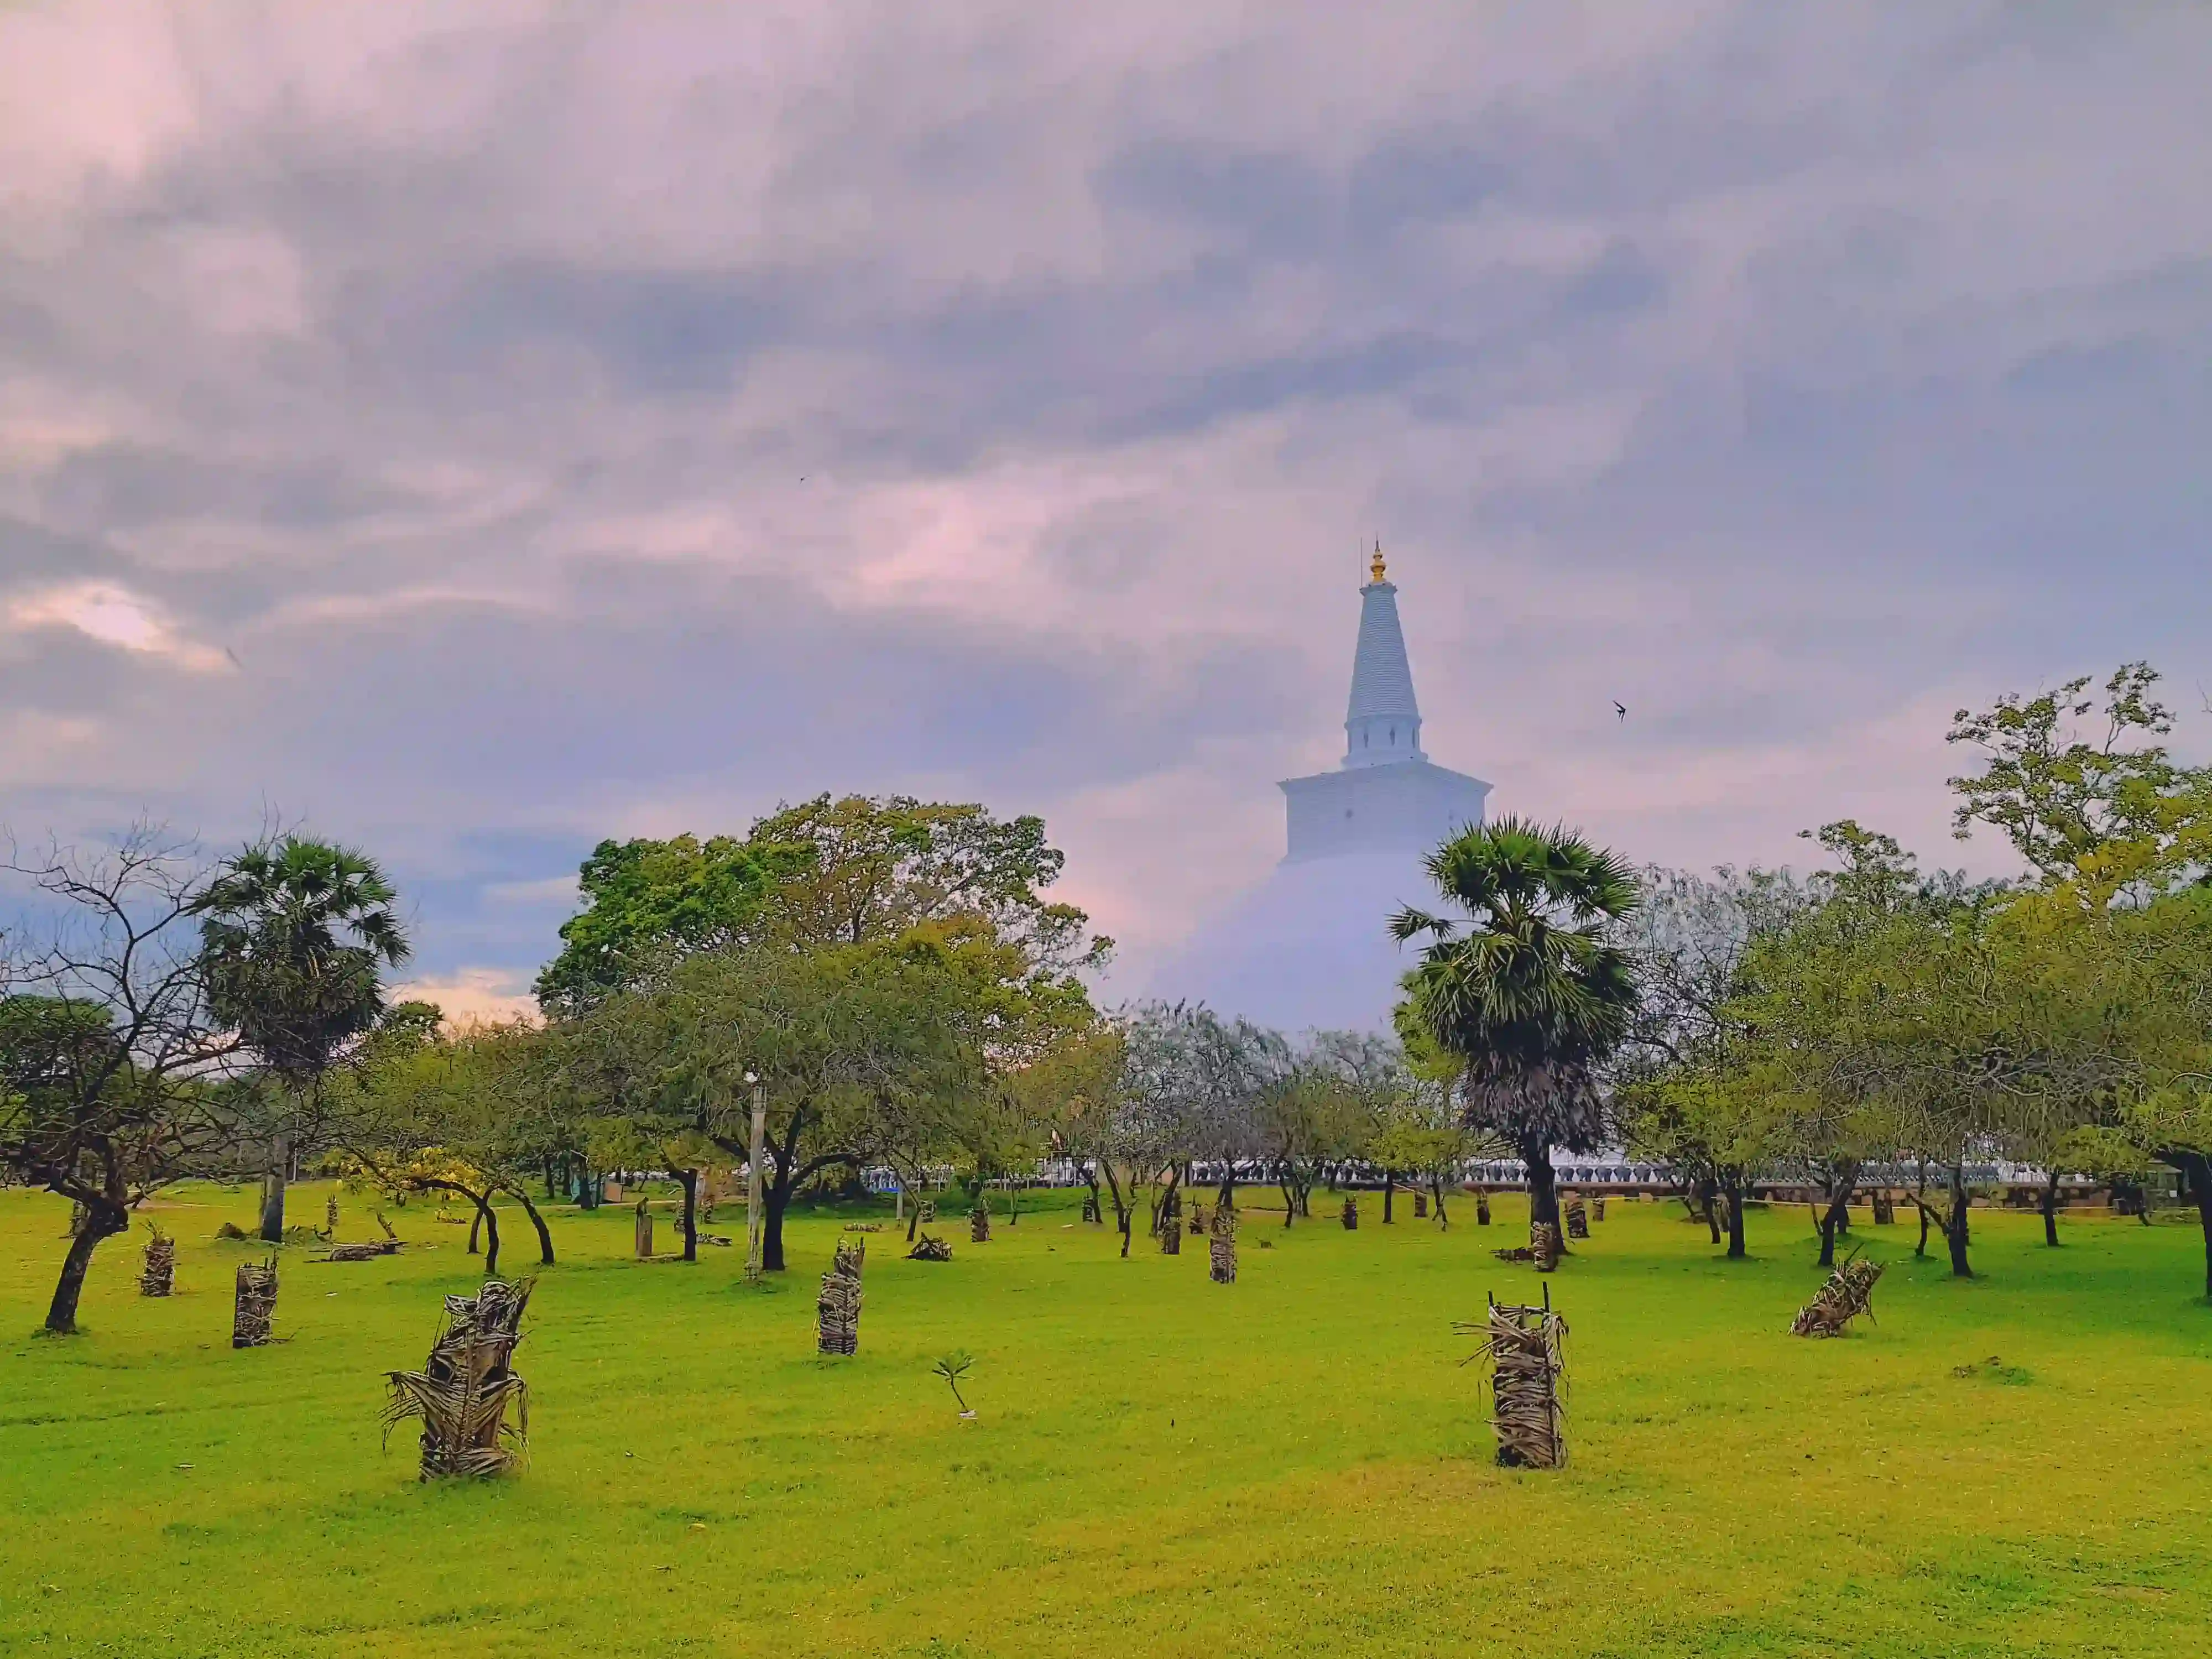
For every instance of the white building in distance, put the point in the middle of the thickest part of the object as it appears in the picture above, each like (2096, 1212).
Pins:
(1310, 948)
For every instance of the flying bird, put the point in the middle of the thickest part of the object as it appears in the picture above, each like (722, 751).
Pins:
(1621, 708)
(234, 662)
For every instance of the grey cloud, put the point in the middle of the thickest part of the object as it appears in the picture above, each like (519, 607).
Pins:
(1675, 369)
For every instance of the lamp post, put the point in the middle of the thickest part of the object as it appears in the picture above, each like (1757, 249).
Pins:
(753, 1230)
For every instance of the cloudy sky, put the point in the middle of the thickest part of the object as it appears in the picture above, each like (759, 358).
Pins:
(475, 430)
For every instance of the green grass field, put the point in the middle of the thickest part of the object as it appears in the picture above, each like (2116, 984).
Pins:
(1158, 1465)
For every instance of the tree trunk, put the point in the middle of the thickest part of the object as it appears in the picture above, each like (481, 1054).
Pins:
(2051, 1209)
(544, 1235)
(1390, 1186)
(476, 1232)
(1705, 1192)
(272, 1191)
(1543, 1185)
(1731, 1191)
(491, 1234)
(2197, 1166)
(688, 1180)
(777, 1197)
(1834, 1220)
(61, 1312)
(1955, 1232)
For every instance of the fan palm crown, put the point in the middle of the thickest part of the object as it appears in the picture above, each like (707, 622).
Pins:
(1524, 989)
(1529, 978)
(295, 933)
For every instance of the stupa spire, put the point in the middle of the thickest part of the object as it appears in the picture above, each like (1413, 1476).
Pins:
(1382, 722)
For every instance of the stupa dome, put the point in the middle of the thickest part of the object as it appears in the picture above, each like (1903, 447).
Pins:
(1309, 948)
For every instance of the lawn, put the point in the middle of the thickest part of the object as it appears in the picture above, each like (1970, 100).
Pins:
(1158, 1465)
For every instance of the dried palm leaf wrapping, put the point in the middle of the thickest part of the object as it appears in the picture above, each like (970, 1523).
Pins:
(160, 1277)
(1420, 1206)
(1172, 1234)
(1526, 1349)
(1350, 1214)
(837, 1310)
(1578, 1219)
(927, 1210)
(1597, 1209)
(256, 1306)
(930, 1248)
(1199, 1221)
(364, 1251)
(1482, 1209)
(1848, 1293)
(463, 1395)
(979, 1225)
(1544, 1245)
(1884, 1212)
(1090, 1208)
(1221, 1248)
(331, 1215)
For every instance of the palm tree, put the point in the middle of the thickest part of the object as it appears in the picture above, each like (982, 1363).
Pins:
(1526, 997)
(294, 934)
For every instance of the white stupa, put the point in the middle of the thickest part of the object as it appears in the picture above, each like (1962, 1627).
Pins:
(1309, 948)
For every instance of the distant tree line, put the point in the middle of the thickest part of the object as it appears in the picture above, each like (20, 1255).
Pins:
(887, 979)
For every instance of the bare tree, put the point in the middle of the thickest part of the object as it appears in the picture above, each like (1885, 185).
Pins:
(110, 1065)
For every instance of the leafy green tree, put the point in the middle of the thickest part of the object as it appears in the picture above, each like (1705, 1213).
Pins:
(1073, 1093)
(2109, 821)
(843, 1041)
(1525, 988)
(1420, 1135)
(427, 1110)
(873, 868)
(295, 934)
(647, 903)
(1680, 1094)
(1325, 1110)
(2111, 811)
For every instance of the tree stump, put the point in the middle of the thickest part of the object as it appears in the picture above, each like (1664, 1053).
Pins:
(1597, 1209)
(1482, 1209)
(930, 1248)
(927, 1210)
(1884, 1212)
(1527, 1352)
(644, 1230)
(1544, 1246)
(1198, 1221)
(1848, 1293)
(1090, 1208)
(837, 1310)
(1578, 1219)
(1351, 1213)
(1221, 1246)
(462, 1393)
(159, 1276)
(1420, 1206)
(1170, 1234)
(978, 1224)
(331, 1215)
(256, 1306)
